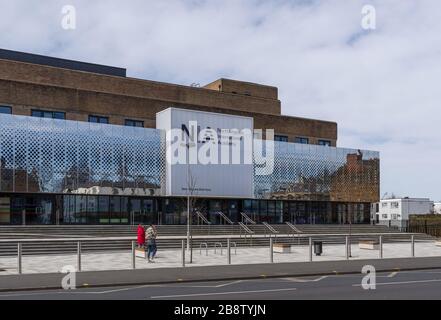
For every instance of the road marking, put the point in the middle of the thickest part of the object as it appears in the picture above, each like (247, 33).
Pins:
(77, 291)
(392, 274)
(221, 293)
(206, 286)
(305, 280)
(401, 282)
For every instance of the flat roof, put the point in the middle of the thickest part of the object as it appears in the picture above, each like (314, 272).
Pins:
(61, 63)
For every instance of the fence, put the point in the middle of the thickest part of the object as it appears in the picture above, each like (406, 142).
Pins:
(336, 247)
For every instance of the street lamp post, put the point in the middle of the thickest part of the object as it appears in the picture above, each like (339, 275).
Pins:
(189, 215)
(350, 234)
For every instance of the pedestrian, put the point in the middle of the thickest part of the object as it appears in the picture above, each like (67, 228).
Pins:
(155, 249)
(151, 243)
(141, 236)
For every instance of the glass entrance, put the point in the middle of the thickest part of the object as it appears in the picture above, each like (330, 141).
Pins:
(29, 210)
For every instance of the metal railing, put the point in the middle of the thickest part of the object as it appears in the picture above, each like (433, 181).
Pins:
(270, 228)
(202, 218)
(246, 218)
(376, 240)
(293, 227)
(224, 217)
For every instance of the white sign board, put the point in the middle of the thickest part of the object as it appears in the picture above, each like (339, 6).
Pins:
(233, 178)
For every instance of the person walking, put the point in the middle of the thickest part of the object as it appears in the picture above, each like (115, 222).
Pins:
(141, 236)
(151, 243)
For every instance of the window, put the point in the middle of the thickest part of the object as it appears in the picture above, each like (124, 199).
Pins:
(394, 205)
(324, 143)
(384, 205)
(384, 216)
(281, 138)
(98, 119)
(134, 123)
(301, 140)
(48, 114)
(5, 109)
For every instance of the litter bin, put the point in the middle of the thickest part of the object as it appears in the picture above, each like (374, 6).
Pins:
(318, 248)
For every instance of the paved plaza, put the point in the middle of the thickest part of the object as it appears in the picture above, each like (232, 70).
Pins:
(245, 255)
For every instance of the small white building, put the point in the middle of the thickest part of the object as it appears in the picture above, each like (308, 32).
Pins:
(396, 212)
(437, 208)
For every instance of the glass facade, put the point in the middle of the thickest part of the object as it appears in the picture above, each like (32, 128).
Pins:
(39, 155)
(55, 171)
(318, 173)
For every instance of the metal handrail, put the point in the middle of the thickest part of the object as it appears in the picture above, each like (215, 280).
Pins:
(202, 217)
(293, 227)
(270, 228)
(220, 213)
(246, 218)
(244, 227)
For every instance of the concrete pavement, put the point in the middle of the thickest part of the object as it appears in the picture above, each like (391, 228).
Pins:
(212, 273)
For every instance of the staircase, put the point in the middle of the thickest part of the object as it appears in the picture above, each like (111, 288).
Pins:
(204, 233)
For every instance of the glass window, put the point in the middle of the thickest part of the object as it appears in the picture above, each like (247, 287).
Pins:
(5, 110)
(324, 143)
(99, 119)
(394, 205)
(302, 140)
(134, 123)
(48, 114)
(281, 138)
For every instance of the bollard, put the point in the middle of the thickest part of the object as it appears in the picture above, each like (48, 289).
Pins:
(79, 256)
(310, 249)
(183, 253)
(347, 248)
(229, 251)
(133, 255)
(381, 247)
(19, 252)
(271, 250)
(413, 246)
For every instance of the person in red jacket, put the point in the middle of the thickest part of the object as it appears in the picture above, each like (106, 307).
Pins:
(141, 236)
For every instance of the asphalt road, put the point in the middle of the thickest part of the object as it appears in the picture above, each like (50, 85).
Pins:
(394, 285)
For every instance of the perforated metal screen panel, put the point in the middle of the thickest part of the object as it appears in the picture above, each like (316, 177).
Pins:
(58, 156)
(39, 155)
(312, 172)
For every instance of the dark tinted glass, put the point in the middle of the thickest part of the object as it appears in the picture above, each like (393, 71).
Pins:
(5, 110)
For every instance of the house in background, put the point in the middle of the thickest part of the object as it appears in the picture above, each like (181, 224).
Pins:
(396, 212)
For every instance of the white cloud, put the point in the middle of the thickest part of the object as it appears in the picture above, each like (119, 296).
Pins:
(381, 86)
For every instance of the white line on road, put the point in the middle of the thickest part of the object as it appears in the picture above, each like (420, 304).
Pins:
(221, 293)
(401, 282)
(392, 274)
(305, 280)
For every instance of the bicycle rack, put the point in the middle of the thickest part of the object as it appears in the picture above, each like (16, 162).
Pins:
(206, 248)
(235, 247)
(215, 247)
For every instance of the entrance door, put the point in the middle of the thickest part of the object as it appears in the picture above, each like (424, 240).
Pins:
(135, 211)
(32, 210)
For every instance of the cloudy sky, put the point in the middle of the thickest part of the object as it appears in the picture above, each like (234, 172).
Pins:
(382, 86)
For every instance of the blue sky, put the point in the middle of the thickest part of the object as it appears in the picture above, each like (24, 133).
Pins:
(381, 86)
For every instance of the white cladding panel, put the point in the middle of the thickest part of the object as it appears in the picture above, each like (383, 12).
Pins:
(215, 180)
